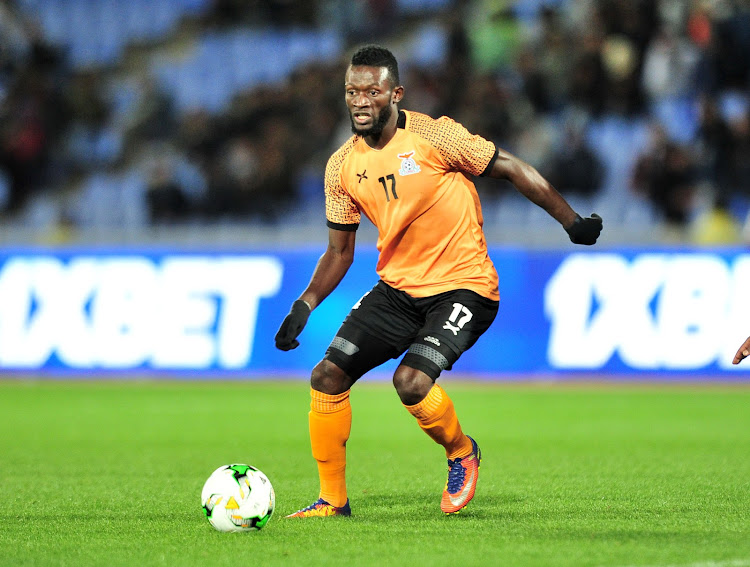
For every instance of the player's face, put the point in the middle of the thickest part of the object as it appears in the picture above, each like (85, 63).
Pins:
(371, 100)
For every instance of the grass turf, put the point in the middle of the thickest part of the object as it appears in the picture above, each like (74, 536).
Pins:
(109, 473)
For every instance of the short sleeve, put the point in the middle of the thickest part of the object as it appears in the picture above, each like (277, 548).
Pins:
(461, 150)
(341, 210)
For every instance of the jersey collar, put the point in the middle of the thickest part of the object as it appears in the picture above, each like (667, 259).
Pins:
(401, 122)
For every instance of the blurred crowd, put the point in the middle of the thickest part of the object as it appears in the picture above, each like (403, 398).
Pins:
(536, 77)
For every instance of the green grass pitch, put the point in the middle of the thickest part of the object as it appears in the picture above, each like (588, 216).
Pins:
(110, 473)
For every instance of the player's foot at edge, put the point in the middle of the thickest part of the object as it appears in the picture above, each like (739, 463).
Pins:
(320, 509)
(462, 481)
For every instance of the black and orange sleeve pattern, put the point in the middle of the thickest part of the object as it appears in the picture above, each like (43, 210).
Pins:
(461, 150)
(342, 213)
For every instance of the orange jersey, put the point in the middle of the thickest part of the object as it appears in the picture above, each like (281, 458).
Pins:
(418, 192)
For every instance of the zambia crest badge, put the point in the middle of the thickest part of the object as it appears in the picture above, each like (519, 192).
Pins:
(408, 165)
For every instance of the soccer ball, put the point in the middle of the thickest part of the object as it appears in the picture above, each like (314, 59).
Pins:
(238, 498)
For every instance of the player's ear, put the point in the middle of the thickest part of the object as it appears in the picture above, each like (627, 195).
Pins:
(397, 94)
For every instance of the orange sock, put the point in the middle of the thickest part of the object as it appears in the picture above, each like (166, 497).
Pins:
(330, 425)
(437, 417)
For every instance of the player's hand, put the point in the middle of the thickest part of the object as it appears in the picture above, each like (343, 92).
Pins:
(743, 352)
(292, 325)
(585, 231)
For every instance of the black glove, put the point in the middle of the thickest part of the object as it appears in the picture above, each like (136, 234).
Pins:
(585, 231)
(292, 325)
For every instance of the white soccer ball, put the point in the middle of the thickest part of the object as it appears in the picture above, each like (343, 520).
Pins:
(238, 498)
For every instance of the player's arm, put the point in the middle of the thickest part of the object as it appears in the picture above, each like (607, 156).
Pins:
(532, 185)
(742, 352)
(330, 270)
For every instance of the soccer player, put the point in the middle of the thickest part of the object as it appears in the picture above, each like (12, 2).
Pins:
(743, 352)
(411, 175)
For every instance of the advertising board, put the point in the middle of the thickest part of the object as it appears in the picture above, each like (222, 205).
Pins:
(599, 312)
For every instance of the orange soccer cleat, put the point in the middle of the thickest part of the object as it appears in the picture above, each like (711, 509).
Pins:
(321, 509)
(462, 481)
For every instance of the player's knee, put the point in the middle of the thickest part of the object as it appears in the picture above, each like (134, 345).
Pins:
(411, 384)
(329, 378)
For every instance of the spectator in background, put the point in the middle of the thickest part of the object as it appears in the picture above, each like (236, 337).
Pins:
(574, 168)
(622, 65)
(356, 21)
(495, 34)
(24, 141)
(713, 146)
(91, 140)
(426, 90)
(167, 202)
(176, 186)
(315, 103)
(30, 117)
(153, 117)
(732, 45)
(484, 109)
(457, 68)
(713, 150)
(669, 66)
(15, 43)
(716, 225)
(588, 78)
(233, 180)
(534, 80)
(545, 65)
(665, 174)
(739, 155)
(253, 179)
(608, 57)
(276, 183)
(199, 136)
(227, 13)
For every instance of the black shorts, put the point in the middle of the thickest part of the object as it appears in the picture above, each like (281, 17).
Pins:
(433, 331)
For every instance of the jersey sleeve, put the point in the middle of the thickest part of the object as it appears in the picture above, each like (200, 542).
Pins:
(342, 212)
(461, 150)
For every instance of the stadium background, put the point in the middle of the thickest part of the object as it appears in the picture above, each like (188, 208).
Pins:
(161, 178)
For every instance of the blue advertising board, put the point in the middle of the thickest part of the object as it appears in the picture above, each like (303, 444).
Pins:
(618, 311)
